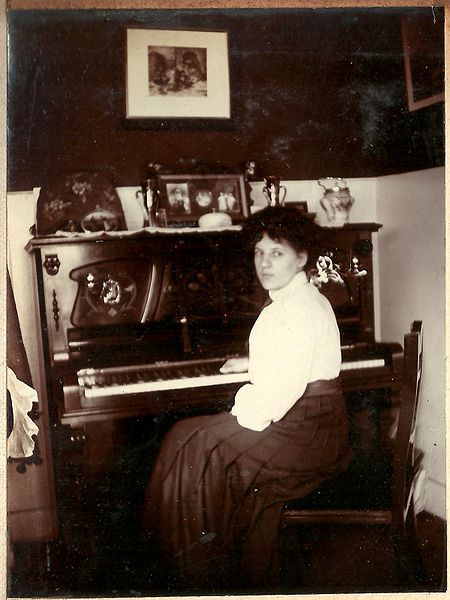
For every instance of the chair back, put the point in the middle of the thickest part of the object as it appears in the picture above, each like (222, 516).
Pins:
(404, 456)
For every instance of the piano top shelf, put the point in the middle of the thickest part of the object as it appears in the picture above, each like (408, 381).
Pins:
(152, 232)
(148, 232)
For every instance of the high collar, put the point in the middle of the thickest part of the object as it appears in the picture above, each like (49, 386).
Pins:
(295, 283)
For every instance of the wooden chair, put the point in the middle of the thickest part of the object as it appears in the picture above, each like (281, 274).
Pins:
(377, 489)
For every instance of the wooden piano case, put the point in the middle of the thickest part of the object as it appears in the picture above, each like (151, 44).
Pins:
(111, 300)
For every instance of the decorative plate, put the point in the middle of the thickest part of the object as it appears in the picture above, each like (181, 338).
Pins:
(100, 220)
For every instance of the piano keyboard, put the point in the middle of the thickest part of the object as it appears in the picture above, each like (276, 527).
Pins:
(154, 378)
(363, 364)
(137, 379)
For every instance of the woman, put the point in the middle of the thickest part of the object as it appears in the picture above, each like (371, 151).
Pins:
(219, 484)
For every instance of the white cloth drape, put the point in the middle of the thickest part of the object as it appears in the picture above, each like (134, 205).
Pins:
(20, 442)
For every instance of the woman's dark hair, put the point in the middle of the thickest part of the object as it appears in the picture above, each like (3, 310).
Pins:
(284, 223)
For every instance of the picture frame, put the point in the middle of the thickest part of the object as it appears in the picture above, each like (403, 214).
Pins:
(177, 74)
(187, 197)
(423, 53)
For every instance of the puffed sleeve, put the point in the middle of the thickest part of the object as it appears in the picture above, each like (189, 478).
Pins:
(283, 349)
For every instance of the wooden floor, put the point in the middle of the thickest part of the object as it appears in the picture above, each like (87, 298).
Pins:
(339, 559)
(360, 559)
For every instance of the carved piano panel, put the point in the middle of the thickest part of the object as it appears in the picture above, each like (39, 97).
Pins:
(112, 281)
(217, 280)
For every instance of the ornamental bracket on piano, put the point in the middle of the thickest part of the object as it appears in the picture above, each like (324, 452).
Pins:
(327, 270)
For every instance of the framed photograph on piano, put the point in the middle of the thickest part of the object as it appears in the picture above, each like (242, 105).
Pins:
(187, 197)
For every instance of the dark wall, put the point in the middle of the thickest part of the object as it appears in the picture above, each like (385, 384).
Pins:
(314, 92)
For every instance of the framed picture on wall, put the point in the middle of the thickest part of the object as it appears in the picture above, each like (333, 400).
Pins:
(177, 74)
(423, 53)
(188, 197)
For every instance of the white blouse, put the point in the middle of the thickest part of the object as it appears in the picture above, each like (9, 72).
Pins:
(294, 341)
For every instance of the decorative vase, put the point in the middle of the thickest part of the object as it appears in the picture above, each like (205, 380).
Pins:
(336, 202)
(273, 191)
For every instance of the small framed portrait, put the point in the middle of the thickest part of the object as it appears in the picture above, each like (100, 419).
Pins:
(178, 202)
(188, 197)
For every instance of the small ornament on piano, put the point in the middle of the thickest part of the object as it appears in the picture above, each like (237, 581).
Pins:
(55, 309)
(355, 271)
(150, 194)
(327, 270)
(250, 170)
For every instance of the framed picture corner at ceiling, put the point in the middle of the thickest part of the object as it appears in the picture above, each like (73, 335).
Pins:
(424, 58)
(177, 74)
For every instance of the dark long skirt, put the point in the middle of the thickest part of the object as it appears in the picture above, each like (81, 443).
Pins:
(216, 493)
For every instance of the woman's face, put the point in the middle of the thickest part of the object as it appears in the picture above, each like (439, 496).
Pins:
(277, 262)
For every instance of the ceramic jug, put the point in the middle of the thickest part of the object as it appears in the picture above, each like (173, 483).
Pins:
(336, 202)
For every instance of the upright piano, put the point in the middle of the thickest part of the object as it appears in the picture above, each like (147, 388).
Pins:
(135, 326)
